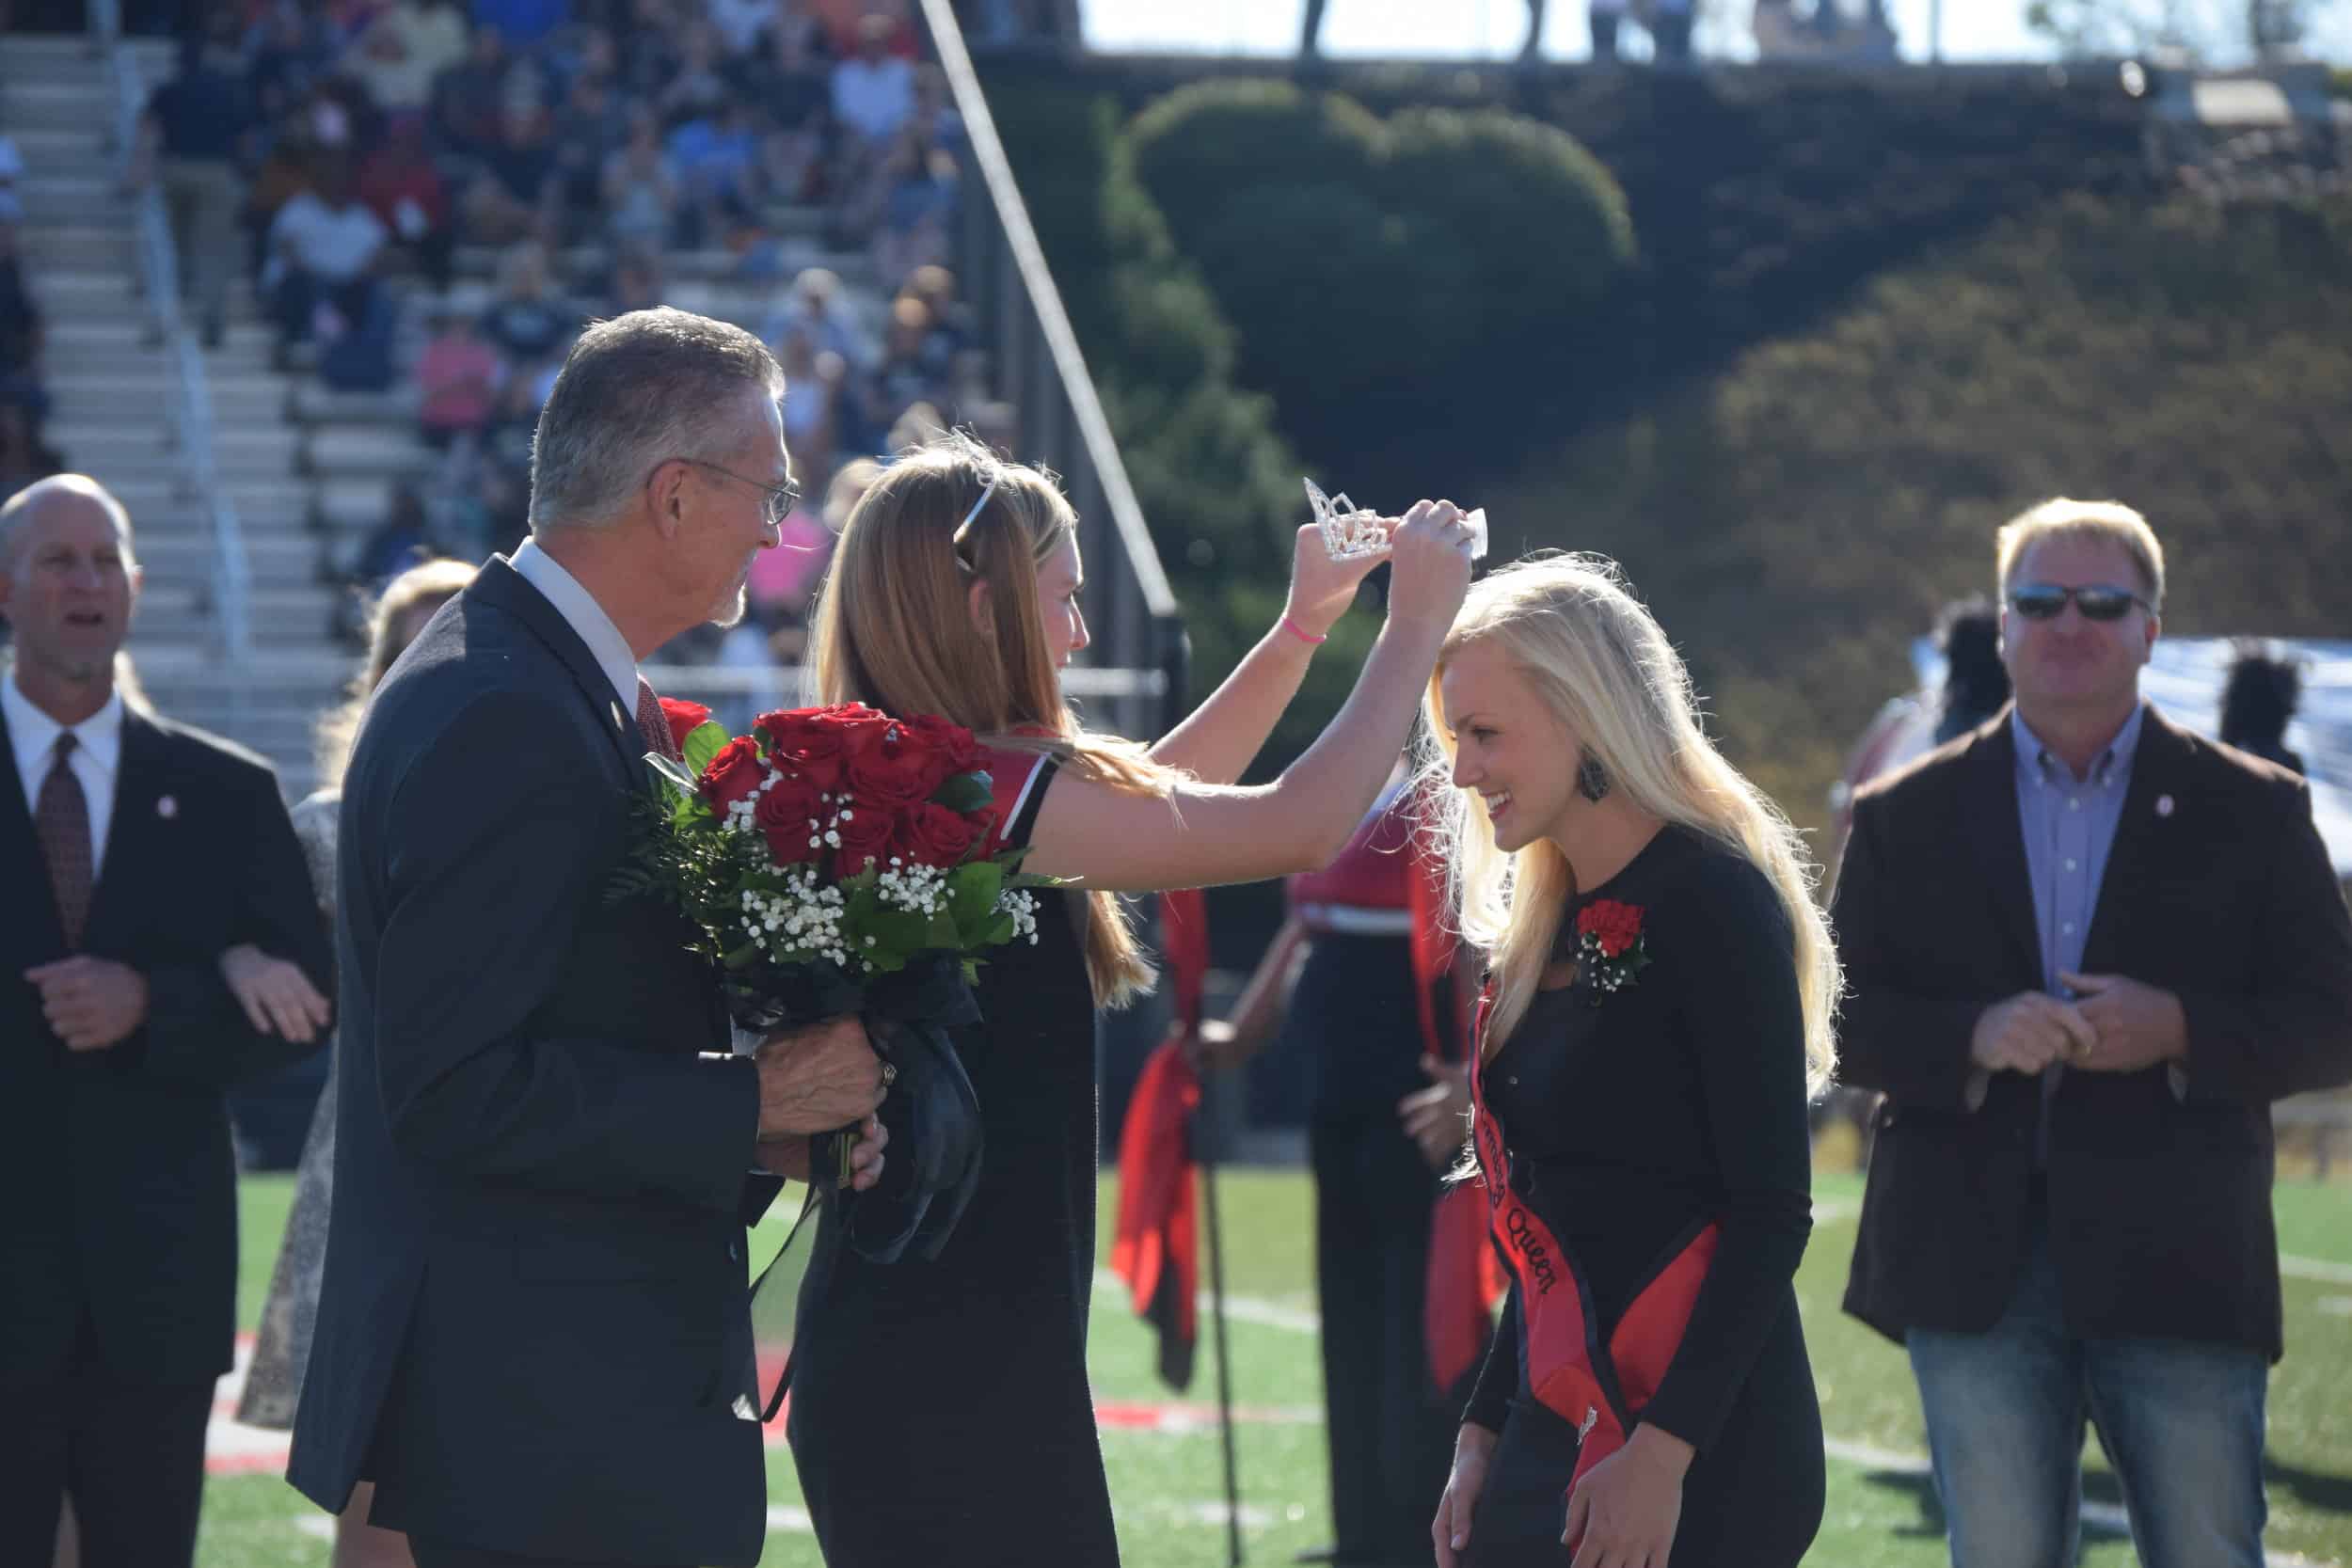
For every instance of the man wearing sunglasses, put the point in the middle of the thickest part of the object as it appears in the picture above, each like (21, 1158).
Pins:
(2086, 950)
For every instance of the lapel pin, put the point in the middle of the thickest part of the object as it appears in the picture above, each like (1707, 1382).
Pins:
(167, 807)
(618, 722)
(2164, 805)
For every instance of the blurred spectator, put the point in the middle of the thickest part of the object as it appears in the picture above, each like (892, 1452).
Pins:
(811, 397)
(873, 90)
(404, 539)
(465, 98)
(403, 189)
(323, 250)
(20, 335)
(2257, 701)
(589, 128)
(285, 52)
(642, 199)
(716, 160)
(1976, 682)
(916, 227)
(649, 47)
(696, 90)
(814, 309)
(845, 24)
(193, 130)
(784, 73)
(516, 197)
(527, 322)
(902, 379)
(399, 53)
(457, 379)
(1669, 28)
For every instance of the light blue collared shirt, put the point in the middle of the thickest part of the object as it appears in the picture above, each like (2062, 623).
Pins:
(2069, 825)
(582, 612)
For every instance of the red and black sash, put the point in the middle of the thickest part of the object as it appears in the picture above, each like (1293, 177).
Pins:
(1600, 1390)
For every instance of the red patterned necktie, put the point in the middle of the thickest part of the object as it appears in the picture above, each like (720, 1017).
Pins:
(61, 818)
(652, 723)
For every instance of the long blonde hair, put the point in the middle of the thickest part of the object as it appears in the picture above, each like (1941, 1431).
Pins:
(1572, 628)
(392, 621)
(893, 628)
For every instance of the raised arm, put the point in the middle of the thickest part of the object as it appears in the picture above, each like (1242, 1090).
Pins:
(1224, 735)
(1202, 835)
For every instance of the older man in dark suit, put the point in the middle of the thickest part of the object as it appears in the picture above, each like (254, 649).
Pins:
(2087, 950)
(533, 1333)
(135, 852)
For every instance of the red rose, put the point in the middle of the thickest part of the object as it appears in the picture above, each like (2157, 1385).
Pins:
(817, 741)
(930, 834)
(733, 774)
(685, 718)
(1614, 927)
(953, 742)
(896, 770)
(867, 835)
(790, 812)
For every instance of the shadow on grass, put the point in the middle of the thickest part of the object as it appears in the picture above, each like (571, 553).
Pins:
(2315, 1490)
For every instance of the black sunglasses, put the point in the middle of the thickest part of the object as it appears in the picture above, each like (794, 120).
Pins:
(2046, 601)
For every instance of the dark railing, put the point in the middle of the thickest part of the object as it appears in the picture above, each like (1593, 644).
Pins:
(1039, 369)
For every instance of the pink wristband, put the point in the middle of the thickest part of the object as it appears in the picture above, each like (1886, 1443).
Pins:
(1301, 633)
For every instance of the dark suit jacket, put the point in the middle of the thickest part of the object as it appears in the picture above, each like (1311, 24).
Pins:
(2218, 890)
(535, 1319)
(125, 1205)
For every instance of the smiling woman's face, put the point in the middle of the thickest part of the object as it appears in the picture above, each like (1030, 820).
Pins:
(1060, 578)
(1509, 748)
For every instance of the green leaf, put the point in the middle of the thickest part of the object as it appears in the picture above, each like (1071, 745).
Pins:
(965, 792)
(972, 891)
(671, 772)
(703, 742)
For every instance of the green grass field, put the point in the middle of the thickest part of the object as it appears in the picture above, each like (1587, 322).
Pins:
(1166, 1486)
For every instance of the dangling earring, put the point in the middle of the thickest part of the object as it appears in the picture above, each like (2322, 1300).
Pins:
(1592, 779)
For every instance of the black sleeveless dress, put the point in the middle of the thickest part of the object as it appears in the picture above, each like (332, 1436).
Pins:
(940, 1411)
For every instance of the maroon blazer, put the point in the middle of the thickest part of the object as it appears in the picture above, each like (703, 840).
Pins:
(2218, 889)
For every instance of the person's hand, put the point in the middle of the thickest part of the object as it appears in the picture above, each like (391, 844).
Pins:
(2137, 1025)
(1433, 1116)
(1215, 1048)
(1430, 550)
(277, 998)
(91, 1002)
(2028, 1032)
(1450, 1532)
(1322, 588)
(1623, 1513)
(816, 1077)
(790, 1157)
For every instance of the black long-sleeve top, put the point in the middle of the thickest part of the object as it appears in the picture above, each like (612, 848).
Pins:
(1680, 1096)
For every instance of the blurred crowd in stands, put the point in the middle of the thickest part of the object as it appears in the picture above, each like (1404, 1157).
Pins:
(428, 200)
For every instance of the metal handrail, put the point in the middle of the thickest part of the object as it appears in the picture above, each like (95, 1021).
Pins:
(189, 409)
(1061, 415)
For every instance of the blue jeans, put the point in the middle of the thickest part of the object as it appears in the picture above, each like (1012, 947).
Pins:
(2182, 1423)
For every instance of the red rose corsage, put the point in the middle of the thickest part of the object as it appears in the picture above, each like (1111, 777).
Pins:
(1610, 948)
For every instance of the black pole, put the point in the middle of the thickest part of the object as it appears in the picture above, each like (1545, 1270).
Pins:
(1204, 1155)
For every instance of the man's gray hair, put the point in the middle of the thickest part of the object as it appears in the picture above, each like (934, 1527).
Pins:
(636, 392)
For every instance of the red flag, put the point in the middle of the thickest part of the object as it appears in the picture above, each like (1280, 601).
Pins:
(1155, 1247)
(1185, 944)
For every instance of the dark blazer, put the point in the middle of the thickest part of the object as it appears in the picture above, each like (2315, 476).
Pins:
(533, 1322)
(2218, 890)
(126, 1201)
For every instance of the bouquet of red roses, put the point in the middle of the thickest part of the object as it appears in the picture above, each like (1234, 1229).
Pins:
(828, 847)
(836, 861)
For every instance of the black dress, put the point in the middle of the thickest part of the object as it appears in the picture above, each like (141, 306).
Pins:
(1677, 1100)
(940, 1410)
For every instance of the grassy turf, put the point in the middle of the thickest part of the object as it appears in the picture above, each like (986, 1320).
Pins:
(1166, 1486)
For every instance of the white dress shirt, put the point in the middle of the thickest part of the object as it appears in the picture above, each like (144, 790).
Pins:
(582, 612)
(97, 757)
